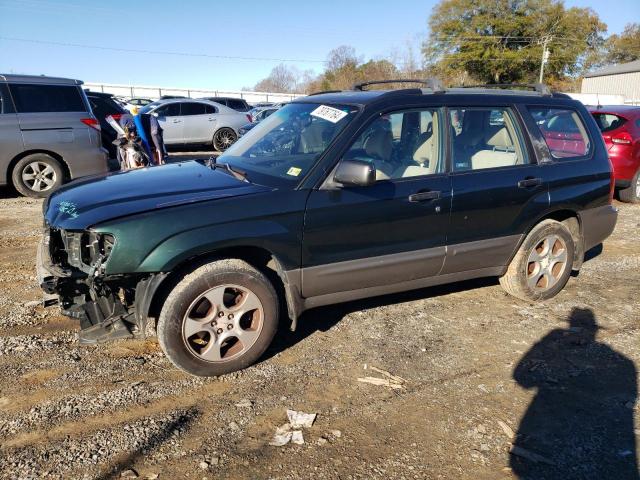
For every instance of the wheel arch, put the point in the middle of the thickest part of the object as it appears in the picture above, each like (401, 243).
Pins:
(260, 258)
(14, 161)
(569, 218)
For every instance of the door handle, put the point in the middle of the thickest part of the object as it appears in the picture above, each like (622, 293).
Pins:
(424, 196)
(177, 121)
(529, 182)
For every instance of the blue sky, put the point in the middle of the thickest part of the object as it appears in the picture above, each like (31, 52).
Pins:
(285, 29)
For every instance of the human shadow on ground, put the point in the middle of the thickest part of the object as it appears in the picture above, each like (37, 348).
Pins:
(580, 423)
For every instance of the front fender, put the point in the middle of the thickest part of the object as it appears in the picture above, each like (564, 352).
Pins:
(269, 235)
(159, 240)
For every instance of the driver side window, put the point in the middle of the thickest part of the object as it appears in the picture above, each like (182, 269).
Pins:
(402, 144)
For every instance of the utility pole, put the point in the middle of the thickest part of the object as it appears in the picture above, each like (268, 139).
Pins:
(545, 56)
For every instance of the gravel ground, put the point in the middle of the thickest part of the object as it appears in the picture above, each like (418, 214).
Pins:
(555, 383)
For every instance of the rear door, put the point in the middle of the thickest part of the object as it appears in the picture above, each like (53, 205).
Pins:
(199, 122)
(497, 185)
(171, 122)
(389, 232)
(10, 136)
(52, 117)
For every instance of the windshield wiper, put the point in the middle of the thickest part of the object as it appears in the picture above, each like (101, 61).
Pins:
(213, 163)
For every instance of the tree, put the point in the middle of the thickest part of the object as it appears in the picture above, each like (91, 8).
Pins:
(282, 79)
(501, 41)
(624, 47)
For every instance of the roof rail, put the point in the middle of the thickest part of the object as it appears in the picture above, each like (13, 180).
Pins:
(323, 91)
(432, 83)
(541, 88)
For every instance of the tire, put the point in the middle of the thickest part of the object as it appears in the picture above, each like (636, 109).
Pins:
(542, 266)
(224, 138)
(37, 175)
(631, 194)
(194, 326)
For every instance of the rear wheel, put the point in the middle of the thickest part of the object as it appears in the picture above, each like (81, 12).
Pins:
(543, 264)
(224, 138)
(218, 319)
(37, 175)
(631, 194)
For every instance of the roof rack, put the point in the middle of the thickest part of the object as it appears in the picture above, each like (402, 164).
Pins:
(431, 83)
(541, 88)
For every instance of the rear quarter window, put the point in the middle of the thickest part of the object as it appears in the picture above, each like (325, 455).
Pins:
(35, 98)
(563, 131)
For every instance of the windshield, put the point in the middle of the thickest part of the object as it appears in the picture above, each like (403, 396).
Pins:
(282, 148)
(148, 106)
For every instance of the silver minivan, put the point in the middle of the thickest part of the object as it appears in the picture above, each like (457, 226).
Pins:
(48, 134)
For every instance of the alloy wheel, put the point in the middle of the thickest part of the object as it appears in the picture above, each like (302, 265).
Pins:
(546, 263)
(223, 323)
(39, 176)
(224, 139)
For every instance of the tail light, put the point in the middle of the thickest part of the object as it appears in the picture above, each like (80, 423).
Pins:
(91, 122)
(623, 138)
(116, 116)
(249, 118)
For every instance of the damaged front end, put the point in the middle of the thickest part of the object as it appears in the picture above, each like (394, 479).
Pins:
(71, 266)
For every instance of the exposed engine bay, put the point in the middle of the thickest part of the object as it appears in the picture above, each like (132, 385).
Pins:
(71, 266)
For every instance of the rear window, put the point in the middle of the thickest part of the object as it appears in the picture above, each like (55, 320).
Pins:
(563, 131)
(31, 98)
(103, 107)
(237, 104)
(608, 121)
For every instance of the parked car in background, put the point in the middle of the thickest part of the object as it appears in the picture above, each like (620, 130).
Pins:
(104, 105)
(257, 115)
(137, 103)
(335, 197)
(48, 134)
(620, 127)
(238, 104)
(196, 122)
(262, 104)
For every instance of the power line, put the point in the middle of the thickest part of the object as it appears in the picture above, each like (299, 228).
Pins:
(160, 52)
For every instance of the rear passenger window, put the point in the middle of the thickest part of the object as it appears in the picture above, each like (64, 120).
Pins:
(563, 131)
(485, 138)
(32, 98)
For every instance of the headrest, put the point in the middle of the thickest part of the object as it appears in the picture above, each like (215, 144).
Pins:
(501, 139)
(379, 144)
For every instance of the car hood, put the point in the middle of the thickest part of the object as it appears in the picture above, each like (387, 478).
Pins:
(90, 201)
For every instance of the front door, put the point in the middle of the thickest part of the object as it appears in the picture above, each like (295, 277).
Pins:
(498, 188)
(389, 232)
(171, 122)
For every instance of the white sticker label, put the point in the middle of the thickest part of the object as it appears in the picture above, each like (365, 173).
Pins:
(329, 114)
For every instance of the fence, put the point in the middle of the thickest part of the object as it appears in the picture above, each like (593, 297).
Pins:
(156, 92)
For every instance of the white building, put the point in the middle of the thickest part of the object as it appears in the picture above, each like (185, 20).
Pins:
(622, 79)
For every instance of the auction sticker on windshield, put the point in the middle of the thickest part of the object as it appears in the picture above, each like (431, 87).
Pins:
(330, 114)
(294, 171)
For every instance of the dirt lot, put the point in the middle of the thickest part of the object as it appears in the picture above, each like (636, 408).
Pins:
(480, 367)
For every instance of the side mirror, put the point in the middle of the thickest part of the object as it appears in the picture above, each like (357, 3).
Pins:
(355, 173)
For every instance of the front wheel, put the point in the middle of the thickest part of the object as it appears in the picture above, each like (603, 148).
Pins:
(631, 194)
(542, 265)
(218, 319)
(224, 138)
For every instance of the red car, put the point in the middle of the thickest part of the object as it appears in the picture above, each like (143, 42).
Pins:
(620, 127)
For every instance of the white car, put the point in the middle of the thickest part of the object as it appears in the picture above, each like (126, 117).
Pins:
(191, 121)
(132, 103)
